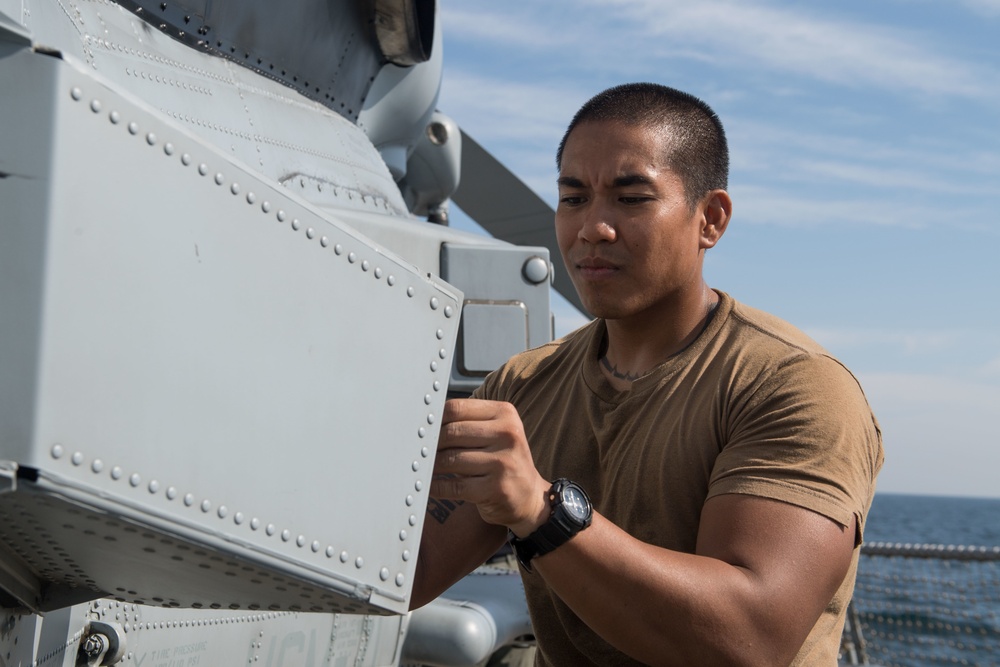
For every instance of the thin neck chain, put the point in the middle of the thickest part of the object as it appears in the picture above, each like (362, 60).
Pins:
(632, 377)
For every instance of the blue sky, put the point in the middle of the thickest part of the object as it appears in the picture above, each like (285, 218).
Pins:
(866, 178)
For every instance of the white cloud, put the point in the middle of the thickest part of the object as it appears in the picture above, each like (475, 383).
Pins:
(791, 40)
(991, 368)
(483, 22)
(987, 8)
(776, 206)
(906, 340)
(940, 433)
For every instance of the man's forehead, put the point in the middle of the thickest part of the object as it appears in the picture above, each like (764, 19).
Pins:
(631, 148)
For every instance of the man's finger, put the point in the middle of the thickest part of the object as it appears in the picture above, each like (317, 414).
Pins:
(468, 409)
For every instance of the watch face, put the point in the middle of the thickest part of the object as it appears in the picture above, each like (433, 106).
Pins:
(575, 503)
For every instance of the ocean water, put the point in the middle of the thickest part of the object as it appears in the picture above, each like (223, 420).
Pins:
(925, 612)
(934, 520)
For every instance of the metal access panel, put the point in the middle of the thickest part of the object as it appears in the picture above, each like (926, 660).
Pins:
(211, 394)
(506, 305)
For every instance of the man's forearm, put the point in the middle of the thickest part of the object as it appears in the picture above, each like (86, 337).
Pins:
(669, 608)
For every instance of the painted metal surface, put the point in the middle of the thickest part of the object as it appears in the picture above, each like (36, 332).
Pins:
(190, 328)
(225, 342)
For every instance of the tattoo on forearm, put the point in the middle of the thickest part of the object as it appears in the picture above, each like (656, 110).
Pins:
(442, 509)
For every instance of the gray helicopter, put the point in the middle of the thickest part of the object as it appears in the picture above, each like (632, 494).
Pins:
(231, 310)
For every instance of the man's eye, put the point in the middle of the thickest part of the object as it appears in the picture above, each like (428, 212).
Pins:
(634, 200)
(570, 200)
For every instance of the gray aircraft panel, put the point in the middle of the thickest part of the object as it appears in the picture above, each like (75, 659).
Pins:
(144, 384)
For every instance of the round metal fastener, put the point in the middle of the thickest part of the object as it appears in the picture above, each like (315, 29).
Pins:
(535, 270)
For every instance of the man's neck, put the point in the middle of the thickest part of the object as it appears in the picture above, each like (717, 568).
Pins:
(635, 346)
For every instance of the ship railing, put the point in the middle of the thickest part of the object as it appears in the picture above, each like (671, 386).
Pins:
(921, 605)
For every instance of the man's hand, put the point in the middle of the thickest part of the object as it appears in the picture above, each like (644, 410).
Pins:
(483, 458)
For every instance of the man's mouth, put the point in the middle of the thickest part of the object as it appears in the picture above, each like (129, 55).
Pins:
(595, 267)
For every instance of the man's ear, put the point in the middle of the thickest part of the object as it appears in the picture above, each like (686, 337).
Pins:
(717, 209)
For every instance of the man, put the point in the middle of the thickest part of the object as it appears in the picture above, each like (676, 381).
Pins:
(729, 459)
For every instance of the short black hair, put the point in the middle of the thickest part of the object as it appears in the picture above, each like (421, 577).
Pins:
(699, 152)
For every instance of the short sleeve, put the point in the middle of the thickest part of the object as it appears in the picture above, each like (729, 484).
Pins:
(804, 435)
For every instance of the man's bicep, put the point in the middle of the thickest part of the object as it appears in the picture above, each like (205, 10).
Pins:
(794, 559)
(454, 542)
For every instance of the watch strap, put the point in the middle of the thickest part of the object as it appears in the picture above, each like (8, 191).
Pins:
(552, 534)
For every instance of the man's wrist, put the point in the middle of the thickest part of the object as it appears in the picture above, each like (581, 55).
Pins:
(570, 512)
(542, 513)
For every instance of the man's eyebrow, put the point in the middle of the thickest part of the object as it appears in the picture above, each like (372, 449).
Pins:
(569, 182)
(619, 182)
(631, 179)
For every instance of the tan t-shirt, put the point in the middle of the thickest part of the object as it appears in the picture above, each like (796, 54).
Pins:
(753, 406)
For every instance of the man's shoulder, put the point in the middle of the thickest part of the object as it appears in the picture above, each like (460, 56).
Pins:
(572, 345)
(772, 351)
(546, 359)
(764, 328)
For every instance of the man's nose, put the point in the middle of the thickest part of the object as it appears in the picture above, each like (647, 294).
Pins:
(598, 225)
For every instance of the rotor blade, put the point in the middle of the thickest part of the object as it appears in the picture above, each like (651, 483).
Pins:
(501, 203)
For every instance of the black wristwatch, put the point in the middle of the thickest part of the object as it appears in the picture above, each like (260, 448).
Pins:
(571, 513)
